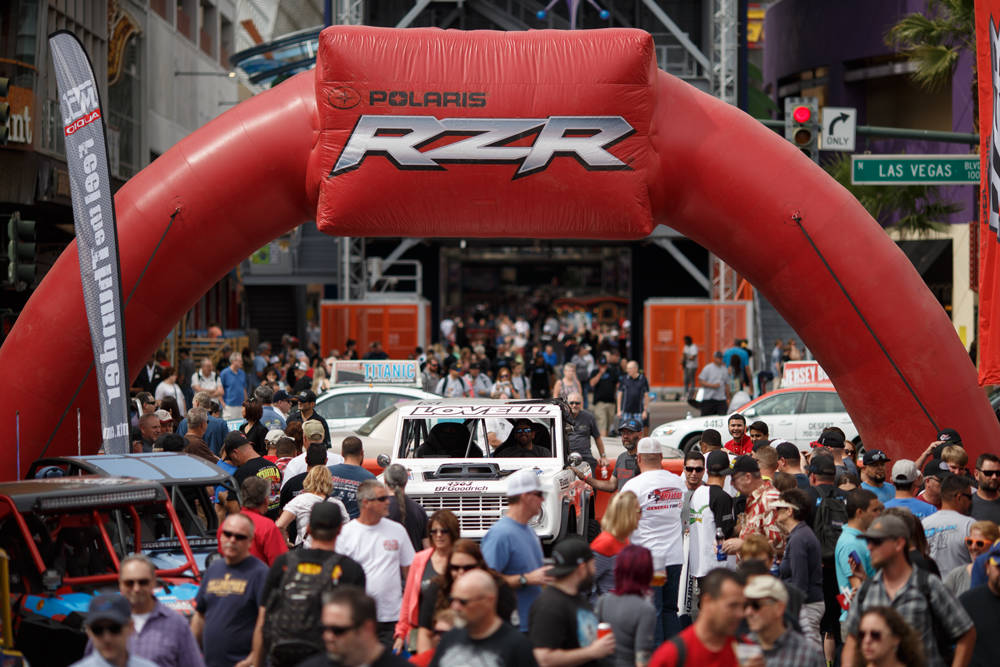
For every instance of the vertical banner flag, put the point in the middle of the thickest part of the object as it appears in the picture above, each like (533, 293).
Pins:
(96, 232)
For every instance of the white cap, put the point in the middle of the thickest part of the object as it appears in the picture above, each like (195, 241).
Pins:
(522, 481)
(905, 471)
(648, 446)
(273, 435)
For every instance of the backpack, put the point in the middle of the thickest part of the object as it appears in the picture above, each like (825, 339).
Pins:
(945, 645)
(292, 626)
(829, 520)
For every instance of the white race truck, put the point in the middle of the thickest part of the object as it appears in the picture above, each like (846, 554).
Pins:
(460, 452)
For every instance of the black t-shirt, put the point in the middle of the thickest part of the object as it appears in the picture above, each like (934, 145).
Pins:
(387, 659)
(721, 504)
(296, 416)
(633, 392)
(984, 607)
(516, 451)
(506, 604)
(292, 488)
(563, 622)
(350, 571)
(579, 431)
(268, 472)
(506, 646)
(416, 520)
(256, 435)
(540, 377)
(604, 390)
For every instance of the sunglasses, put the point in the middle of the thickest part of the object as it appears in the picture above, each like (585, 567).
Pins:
(694, 469)
(463, 601)
(235, 536)
(876, 635)
(874, 541)
(989, 473)
(380, 499)
(575, 402)
(437, 531)
(526, 429)
(339, 630)
(99, 630)
(756, 604)
(979, 544)
(129, 583)
(463, 568)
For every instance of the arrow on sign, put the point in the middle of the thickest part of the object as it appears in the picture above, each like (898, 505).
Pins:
(841, 117)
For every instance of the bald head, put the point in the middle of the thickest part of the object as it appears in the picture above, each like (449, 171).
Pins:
(474, 583)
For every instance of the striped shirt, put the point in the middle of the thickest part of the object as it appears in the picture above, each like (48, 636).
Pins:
(791, 649)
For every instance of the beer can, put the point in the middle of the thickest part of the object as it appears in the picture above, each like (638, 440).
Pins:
(603, 629)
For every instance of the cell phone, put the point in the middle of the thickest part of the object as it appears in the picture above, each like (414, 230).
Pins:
(854, 558)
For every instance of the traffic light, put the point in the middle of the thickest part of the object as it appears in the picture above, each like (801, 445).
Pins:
(802, 124)
(20, 251)
(4, 110)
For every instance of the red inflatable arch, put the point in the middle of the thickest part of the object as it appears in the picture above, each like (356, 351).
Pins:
(540, 134)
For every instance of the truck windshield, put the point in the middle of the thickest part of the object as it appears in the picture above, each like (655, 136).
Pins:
(490, 437)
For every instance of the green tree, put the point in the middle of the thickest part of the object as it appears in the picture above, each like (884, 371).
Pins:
(934, 40)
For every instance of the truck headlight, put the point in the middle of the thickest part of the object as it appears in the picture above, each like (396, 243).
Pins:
(663, 430)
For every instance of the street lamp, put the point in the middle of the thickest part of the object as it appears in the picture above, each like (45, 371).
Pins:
(228, 75)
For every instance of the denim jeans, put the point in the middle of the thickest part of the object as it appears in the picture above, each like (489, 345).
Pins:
(665, 601)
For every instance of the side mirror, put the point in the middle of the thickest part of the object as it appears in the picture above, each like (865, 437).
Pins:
(382, 460)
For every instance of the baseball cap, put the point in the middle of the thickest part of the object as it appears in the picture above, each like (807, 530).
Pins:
(717, 463)
(306, 396)
(833, 439)
(567, 555)
(904, 470)
(822, 465)
(887, 526)
(163, 416)
(326, 516)
(787, 450)
(781, 504)
(745, 464)
(234, 440)
(648, 446)
(936, 468)
(993, 555)
(274, 435)
(765, 586)
(302, 366)
(631, 424)
(711, 437)
(114, 608)
(950, 436)
(874, 456)
(522, 481)
(281, 395)
(312, 429)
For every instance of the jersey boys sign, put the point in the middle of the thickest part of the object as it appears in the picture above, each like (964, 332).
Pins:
(549, 136)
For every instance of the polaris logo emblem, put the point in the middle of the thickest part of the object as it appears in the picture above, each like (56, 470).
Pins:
(400, 139)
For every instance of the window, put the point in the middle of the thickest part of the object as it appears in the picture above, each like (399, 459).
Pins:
(389, 400)
(344, 406)
(451, 438)
(824, 401)
(782, 404)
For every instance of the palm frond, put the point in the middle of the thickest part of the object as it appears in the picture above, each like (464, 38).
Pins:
(934, 65)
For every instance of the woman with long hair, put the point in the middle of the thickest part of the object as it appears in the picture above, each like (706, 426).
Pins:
(315, 489)
(169, 387)
(294, 431)
(568, 384)
(252, 428)
(443, 533)
(402, 508)
(620, 520)
(465, 556)
(628, 609)
(169, 403)
(885, 639)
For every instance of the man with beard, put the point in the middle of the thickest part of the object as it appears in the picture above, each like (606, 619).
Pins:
(348, 618)
(563, 627)
(873, 475)
(626, 466)
(986, 501)
(741, 444)
(524, 442)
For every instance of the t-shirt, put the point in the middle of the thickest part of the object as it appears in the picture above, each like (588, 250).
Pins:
(850, 540)
(291, 488)
(416, 520)
(346, 571)
(302, 506)
(381, 550)
(946, 531)
(710, 508)
(633, 622)
(985, 510)
(984, 606)
(511, 547)
(229, 598)
(386, 659)
(562, 622)
(742, 448)
(272, 419)
(604, 390)
(268, 472)
(626, 467)
(234, 385)
(884, 493)
(633, 391)
(268, 541)
(696, 653)
(579, 431)
(918, 508)
(660, 495)
(690, 356)
(347, 477)
(506, 646)
(717, 375)
(802, 564)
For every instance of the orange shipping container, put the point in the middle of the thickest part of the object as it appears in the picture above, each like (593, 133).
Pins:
(399, 326)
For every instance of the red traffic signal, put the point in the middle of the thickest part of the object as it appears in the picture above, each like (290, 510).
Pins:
(802, 114)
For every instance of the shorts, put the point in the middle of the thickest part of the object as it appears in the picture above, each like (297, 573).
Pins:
(636, 415)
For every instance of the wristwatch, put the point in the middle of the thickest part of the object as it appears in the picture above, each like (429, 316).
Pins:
(522, 581)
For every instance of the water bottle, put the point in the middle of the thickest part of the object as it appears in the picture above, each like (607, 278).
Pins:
(720, 537)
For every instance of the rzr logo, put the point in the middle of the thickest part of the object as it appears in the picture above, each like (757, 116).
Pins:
(400, 138)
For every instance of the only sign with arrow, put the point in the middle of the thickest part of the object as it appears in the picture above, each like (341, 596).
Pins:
(839, 128)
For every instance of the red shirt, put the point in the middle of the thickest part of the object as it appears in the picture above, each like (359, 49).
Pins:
(268, 542)
(607, 545)
(697, 654)
(745, 446)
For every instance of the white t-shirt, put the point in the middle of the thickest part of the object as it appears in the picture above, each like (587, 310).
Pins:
(381, 550)
(301, 506)
(660, 495)
(163, 390)
(691, 356)
(140, 620)
(297, 465)
(207, 383)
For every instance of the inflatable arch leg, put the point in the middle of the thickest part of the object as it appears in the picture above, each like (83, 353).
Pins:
(716, 175)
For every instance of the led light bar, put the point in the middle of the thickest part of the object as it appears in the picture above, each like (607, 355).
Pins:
(98, 499)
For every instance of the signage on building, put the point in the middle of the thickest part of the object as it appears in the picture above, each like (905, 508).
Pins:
(22, 116)
(914, 169)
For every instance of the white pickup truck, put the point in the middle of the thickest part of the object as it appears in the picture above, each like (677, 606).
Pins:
(460, 452)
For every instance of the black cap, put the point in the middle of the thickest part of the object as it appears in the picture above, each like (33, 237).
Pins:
(114, 608)
(234, 440)
(822, 465)
(949, 436)
(567, 555)
(874, 456)
(717, 463)
(833, 439)
(745, 464)
(325, 516)
(306, 396)
(711, 437)
(936, 468)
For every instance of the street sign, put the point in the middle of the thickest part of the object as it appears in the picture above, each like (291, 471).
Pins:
(914, 169)
(840, 126)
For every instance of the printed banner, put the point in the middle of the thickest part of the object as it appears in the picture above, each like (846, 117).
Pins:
(96, 232)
